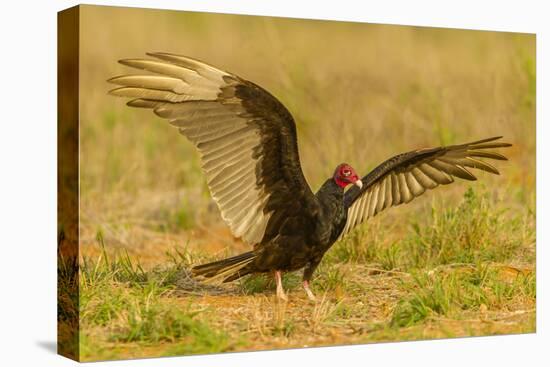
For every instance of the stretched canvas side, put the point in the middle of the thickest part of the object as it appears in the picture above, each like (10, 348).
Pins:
(68, 183)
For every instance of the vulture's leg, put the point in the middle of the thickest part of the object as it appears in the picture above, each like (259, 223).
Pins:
(309, 293)
(308, 273)
(280, 291)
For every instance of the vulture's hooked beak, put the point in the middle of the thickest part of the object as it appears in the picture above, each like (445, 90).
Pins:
(359, 184)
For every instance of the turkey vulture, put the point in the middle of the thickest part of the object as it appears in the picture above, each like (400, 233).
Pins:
(249, 153)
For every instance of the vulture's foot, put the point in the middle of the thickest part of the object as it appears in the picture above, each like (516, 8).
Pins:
(309, 293)
(280, 291)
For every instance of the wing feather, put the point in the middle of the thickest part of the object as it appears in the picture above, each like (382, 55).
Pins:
(381, 196)
(423, 179)
(406, 195)
(414, 186)
(440, 177)
(373, 200)
(396, 192)
(389, 192)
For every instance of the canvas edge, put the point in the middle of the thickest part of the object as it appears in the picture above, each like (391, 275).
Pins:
(68, 319)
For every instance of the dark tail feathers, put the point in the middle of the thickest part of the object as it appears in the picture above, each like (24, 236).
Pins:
(225, 270)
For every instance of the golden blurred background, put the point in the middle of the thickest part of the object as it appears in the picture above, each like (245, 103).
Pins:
(359, 93)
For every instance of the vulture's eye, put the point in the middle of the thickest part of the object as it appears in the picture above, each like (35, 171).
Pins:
(346, 172)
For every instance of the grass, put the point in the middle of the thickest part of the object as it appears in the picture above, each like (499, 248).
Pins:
(431, 283)
(468, 233)
(451, 294)
(127, 305)
(460, 261)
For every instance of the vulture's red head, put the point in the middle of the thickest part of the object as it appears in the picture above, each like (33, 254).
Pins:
(345, 175)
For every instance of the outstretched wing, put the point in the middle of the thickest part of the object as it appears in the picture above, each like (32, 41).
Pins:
(245, 136)
(407, 176)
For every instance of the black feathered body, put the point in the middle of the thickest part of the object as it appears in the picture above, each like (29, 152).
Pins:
(296, 242)
(303, 240)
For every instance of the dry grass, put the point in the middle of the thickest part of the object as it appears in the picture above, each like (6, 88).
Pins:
(127, 313)
(359, 93)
